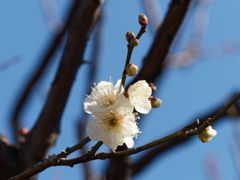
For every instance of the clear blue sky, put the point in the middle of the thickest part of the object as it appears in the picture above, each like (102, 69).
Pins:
(186, 92)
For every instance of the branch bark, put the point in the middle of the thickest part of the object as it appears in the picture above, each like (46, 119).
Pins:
(9, 159)
(39, 71)
(46, 130)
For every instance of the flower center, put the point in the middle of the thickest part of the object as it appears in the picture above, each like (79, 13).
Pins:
(113, 121)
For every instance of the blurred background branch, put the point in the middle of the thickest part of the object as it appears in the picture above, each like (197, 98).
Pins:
(25, 93)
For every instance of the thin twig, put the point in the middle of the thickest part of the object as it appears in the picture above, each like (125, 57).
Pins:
(153, 62)
(129, 54)
(152, 154)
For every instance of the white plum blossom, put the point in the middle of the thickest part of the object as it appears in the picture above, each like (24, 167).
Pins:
(114, 126)
(102, 96)
(113, 121)
(138, 95)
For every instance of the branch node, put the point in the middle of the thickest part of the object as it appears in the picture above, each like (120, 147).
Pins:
(208, 121)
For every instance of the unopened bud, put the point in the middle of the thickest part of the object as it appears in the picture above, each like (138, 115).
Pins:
(134, 42)
(155, 102)
(130, 36)
(23, 132)
(143, 20)
(207, 134)
(132, 69)
(154, 88)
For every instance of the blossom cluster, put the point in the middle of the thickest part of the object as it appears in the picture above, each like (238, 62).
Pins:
(114, 121)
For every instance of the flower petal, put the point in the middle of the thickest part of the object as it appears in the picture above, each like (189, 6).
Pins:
(118, 87)
(129, 142)
(91, 105)
(95, 130)
(138, 96)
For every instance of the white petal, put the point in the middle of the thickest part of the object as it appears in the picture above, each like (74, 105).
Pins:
(129, 142)
(143, 107)
(91, 105)
(118, 88)
(138, 96)
(95, 130)
(212, 132)
(123, 103)
(110, 141)
(105, 84)
(140, 87)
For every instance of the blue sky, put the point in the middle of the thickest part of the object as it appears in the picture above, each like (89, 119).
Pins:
(186, 92)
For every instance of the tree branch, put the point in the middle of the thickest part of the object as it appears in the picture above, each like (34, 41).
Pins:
(56, 160)
(9, 159)
(38, 72)
(151, 155)
(46, 130)
(153, 62)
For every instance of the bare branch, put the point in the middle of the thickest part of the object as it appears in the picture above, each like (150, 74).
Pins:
(38, 73)
(56, 160)
(46, 130)
(9, 159)
(146, 159)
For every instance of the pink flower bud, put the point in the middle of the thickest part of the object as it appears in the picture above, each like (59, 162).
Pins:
(134, 42)
(143, 20)
(154, 88)
(23, 132)
(130, 36)
(132, 69)
(155, 102)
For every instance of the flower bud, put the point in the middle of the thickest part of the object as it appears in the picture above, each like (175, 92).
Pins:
(130, 36)
(154, 88)
(207, 134)
(132, 69)
(23, 132)
(134, 42)
(143, 20)
(155, 102)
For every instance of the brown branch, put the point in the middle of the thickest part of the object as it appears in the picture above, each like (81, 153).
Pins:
(81, 129)
(151, 155)
(38, 72)
(56, 160)
(9, 159)
(153, 62)
(46, 130)
(120, 168)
